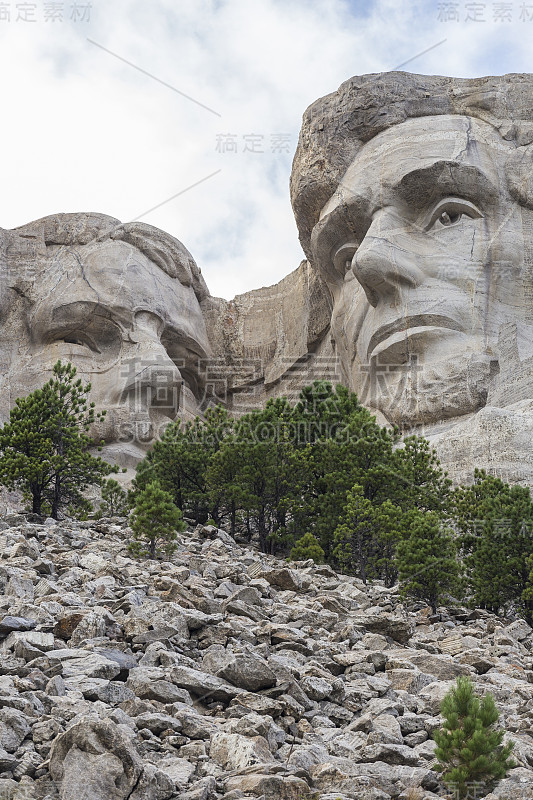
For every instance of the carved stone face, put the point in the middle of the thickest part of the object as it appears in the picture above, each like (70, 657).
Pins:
(424, 251)
(130, 329)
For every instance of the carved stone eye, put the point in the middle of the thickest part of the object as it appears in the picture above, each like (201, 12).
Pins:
(450, 217)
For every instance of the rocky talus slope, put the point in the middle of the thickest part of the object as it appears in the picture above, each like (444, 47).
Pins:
(224, 673)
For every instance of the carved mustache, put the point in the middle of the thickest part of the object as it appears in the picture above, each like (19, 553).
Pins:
(407, 323)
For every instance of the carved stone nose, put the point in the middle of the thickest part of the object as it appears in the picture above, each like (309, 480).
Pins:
(382, 265)
(152, 380)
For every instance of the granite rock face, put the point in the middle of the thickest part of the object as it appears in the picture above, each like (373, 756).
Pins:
(300, 702)
(127, 304)
(413, 197)
(271, 341)
(121, 302)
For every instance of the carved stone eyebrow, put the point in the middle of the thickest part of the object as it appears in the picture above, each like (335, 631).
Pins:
(345, 196)
(423, 186)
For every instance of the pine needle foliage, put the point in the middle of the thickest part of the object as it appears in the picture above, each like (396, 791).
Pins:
(469, 748)
(156, 520)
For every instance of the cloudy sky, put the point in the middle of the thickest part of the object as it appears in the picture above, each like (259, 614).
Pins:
(185, 113)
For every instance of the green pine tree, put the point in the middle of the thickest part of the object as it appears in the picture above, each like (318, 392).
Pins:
(180, 459)
(421, 482)
(527, 594)
(115, 502)
(495, 523)
(427, 559)
(366, 537)
(45, 449)
(256, 476)
(342, 445)
(469, 748)
(287, 468)
(307, 547)
(156, 520)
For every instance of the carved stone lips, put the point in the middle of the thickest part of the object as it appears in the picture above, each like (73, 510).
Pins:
(420, 321)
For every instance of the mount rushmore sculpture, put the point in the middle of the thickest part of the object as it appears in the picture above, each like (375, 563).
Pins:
(413, 197)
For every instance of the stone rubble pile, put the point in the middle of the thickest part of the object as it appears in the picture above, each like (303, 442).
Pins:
(225, 673)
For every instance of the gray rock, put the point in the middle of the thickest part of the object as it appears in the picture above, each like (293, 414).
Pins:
(195, 725)
(7, 762)
(433, 695)
(126, 661)
(36, 639)
(284, 578)
(154, 784)
(110, 692)
(411, 723)
(203, 685)
(232, 751)
(259, 703)
(203, 789)
(178, 770)
(14, 728)
(157, 723)
(316, 688)
(93, 759)
(146, 687)
(156, 635)
(56, 687)
(391, 754)
(8, 624)
(90, 665)
(362, 727)
(398, 628)
(271, 787)
(443, 667)
(386, 729)
(245, 670)
(518, 785)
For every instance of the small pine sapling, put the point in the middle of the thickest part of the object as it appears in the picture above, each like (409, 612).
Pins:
(308, 547)
(115, 502)
(155, 522)
(469, 748)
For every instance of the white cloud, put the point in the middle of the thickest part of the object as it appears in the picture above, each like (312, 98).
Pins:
(85, 131)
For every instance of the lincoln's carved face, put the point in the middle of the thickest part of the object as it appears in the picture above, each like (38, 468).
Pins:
(424, 249)
(130, 329)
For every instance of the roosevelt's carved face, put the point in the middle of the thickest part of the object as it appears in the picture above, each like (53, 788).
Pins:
(130, 329)
(423, 250)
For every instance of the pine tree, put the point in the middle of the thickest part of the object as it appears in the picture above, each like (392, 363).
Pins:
(155, 522)
(179, 462)
(342, 446)
(256, 474)
(469, 749)
(495, 522)
(366, 537)
(226, 493)
(527, 593)
(307, 547)
(284, 469)
(421, 481)
(427, 559)
(45, 449)
(115, 501)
